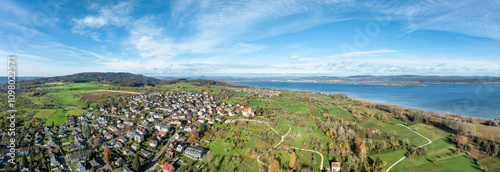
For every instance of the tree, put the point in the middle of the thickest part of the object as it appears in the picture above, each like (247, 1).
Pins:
(107, 156)
(91, 155)
(87, 132)
(194, 136)
(275, 166)
(136, 163)
(360, 147)
(406, 142)
(201, 128)
(52, 124)
(377, 164)
(24, 160)
(297, 165)
(462, 140)
(293, 158)
(8, 167)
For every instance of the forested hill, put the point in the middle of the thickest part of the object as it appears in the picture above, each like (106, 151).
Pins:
(118, 79)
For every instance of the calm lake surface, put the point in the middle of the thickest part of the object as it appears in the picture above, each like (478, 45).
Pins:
(473, 100)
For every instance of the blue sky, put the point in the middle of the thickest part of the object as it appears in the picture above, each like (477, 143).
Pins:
(252, 38)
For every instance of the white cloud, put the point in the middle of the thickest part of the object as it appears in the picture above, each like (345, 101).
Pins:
(93, 21)
(362, 53)
(13, 8)
(116, 15)
(463, 16)
(197, 32)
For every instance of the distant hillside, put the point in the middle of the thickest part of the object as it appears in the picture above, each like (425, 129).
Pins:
(4, 79)
(371, 79)
(200, 82)
(118, 79)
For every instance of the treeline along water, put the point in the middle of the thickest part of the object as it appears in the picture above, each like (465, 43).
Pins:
(472, 100)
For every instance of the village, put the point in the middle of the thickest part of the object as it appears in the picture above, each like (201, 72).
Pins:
(116, 134)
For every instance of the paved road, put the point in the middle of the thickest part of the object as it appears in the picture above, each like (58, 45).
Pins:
(152, 165)
(410, 150)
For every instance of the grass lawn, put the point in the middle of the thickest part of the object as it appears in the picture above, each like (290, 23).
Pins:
(488, 131)
(341, 113)
(58, 118)
(430, 131)
(295, 106)
(442, 150)
(389, 156)
(492, 163)
(73, 113)
(250, 133)
(72, 166)
(256, 102)
(236, 98)
(45, 113)
(402, 131)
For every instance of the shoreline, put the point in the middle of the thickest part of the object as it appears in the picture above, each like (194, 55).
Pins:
(361, 83)
(476, 119)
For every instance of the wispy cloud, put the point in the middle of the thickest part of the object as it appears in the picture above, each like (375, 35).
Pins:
(116, 15)
(362, 53)
(239, 36)
(464, 17)
(13, 8)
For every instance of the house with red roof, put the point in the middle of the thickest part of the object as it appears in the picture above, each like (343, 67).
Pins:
(335, 166)
(168, 167)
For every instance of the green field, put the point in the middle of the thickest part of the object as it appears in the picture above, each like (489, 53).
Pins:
(256, 102)
(248, 132)
(403, 132)
(45, 113)
(58, 118)
(443, 151)
(492, 163)
(73, 113)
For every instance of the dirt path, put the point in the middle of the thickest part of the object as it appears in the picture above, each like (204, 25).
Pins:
(282, 140)
(410, 150)
(274, 147)
(322, 158)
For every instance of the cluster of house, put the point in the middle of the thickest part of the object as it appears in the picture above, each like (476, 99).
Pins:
(48, 140)
(262, 92)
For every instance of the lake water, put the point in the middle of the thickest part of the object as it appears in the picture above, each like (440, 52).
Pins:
(473, 100)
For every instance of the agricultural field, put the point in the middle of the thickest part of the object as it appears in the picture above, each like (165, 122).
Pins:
(492, 163)
(45, 113)
(487, 131)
